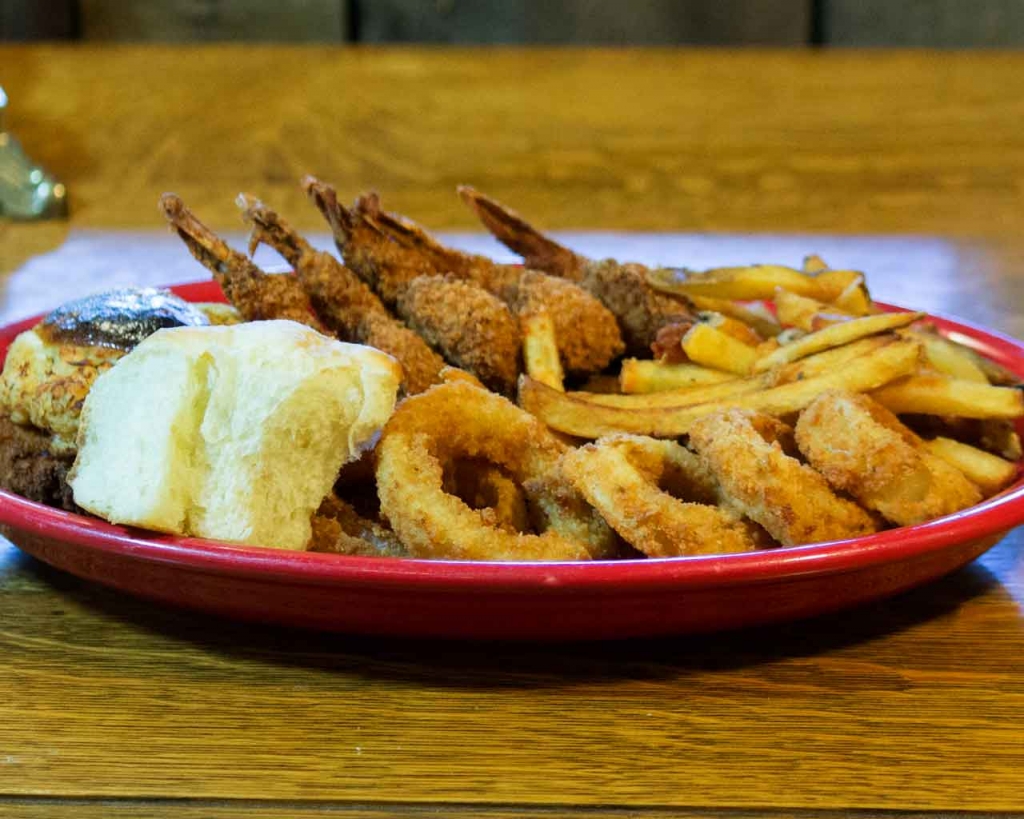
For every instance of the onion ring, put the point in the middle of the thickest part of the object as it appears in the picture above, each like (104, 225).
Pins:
(745, 451)
(458, 420)
(622, 477)
(862, 448)
(486, 488)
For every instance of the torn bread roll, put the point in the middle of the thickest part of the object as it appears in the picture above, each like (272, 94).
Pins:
(232, 433)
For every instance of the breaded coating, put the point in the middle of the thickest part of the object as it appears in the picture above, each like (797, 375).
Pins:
(342, 300)
(641, 311)
(471, 328)
(862, 448)
(586, 332)
(338, 528)
(387, 267)
(28, 468)
(624, 477)
(745, 451)
(475, 329)
(257, 295)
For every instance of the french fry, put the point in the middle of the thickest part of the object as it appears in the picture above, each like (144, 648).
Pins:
(644, 376)
(854, 299)
(585, 419)
(830, 284)
(731, 327)
(688, 396)
(755, 315)
(540, 349)
(834, 336)
(995, 373)
(795, 310)
(988, 471)
(942, 395)
(814, 264)
(745, 283)
(949, 358)
(819, 321)
(828, 360)
(704, 344)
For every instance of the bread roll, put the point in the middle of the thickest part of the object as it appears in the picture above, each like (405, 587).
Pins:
(231, 433)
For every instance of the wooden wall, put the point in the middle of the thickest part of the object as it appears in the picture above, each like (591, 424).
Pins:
(925, 23)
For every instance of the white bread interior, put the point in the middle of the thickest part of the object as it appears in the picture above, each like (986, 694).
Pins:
(232, 433)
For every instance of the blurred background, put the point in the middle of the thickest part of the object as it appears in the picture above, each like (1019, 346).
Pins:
(918, 23)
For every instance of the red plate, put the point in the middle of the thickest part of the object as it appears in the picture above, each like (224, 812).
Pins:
(535, 601)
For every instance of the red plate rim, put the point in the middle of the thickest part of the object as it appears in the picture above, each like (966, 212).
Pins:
(989, 518)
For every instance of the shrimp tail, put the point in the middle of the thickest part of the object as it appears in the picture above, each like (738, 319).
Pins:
(325, 198)
(255, 294)
(208, 248)
(538, 251)
(269, 228)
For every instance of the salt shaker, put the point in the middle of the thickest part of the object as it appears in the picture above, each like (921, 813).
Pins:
(26, 190)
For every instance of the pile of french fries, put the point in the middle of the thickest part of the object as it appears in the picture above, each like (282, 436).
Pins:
(824, 333)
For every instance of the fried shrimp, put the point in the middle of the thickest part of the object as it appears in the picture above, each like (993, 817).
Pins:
(641, 310)
(466, 324)
(745, 451)
(255, 294)
(342, 300)
(587, 333)
(385, 265)
(473, 328)
(862, 448)
(458, 420)
(628, 479)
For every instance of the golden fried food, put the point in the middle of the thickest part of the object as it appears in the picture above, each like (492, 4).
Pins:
(342, 300)
(257, 295)
(942, 395)
(466, 324)
(988, 472)
(457, 420)
(862, 448)
(628, 478)
(588, 335)
(540, 349)
(745, 453)
(835, 335)
(474, 329)
(491, 491)
(338, 528)
(574, 414)
(640, 310)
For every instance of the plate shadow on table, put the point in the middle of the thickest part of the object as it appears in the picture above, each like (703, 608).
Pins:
(469, 665)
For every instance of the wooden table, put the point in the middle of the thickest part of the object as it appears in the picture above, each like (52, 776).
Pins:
(908, 165)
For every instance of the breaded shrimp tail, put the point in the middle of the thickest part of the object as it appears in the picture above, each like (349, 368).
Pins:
(587, 334)
(538, 251)
(326, 200)
(623, 288)
(347, 305)
(270, 229)
(255, 294)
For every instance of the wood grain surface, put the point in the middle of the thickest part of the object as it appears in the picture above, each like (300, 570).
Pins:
(915, 705)
(626, 139)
